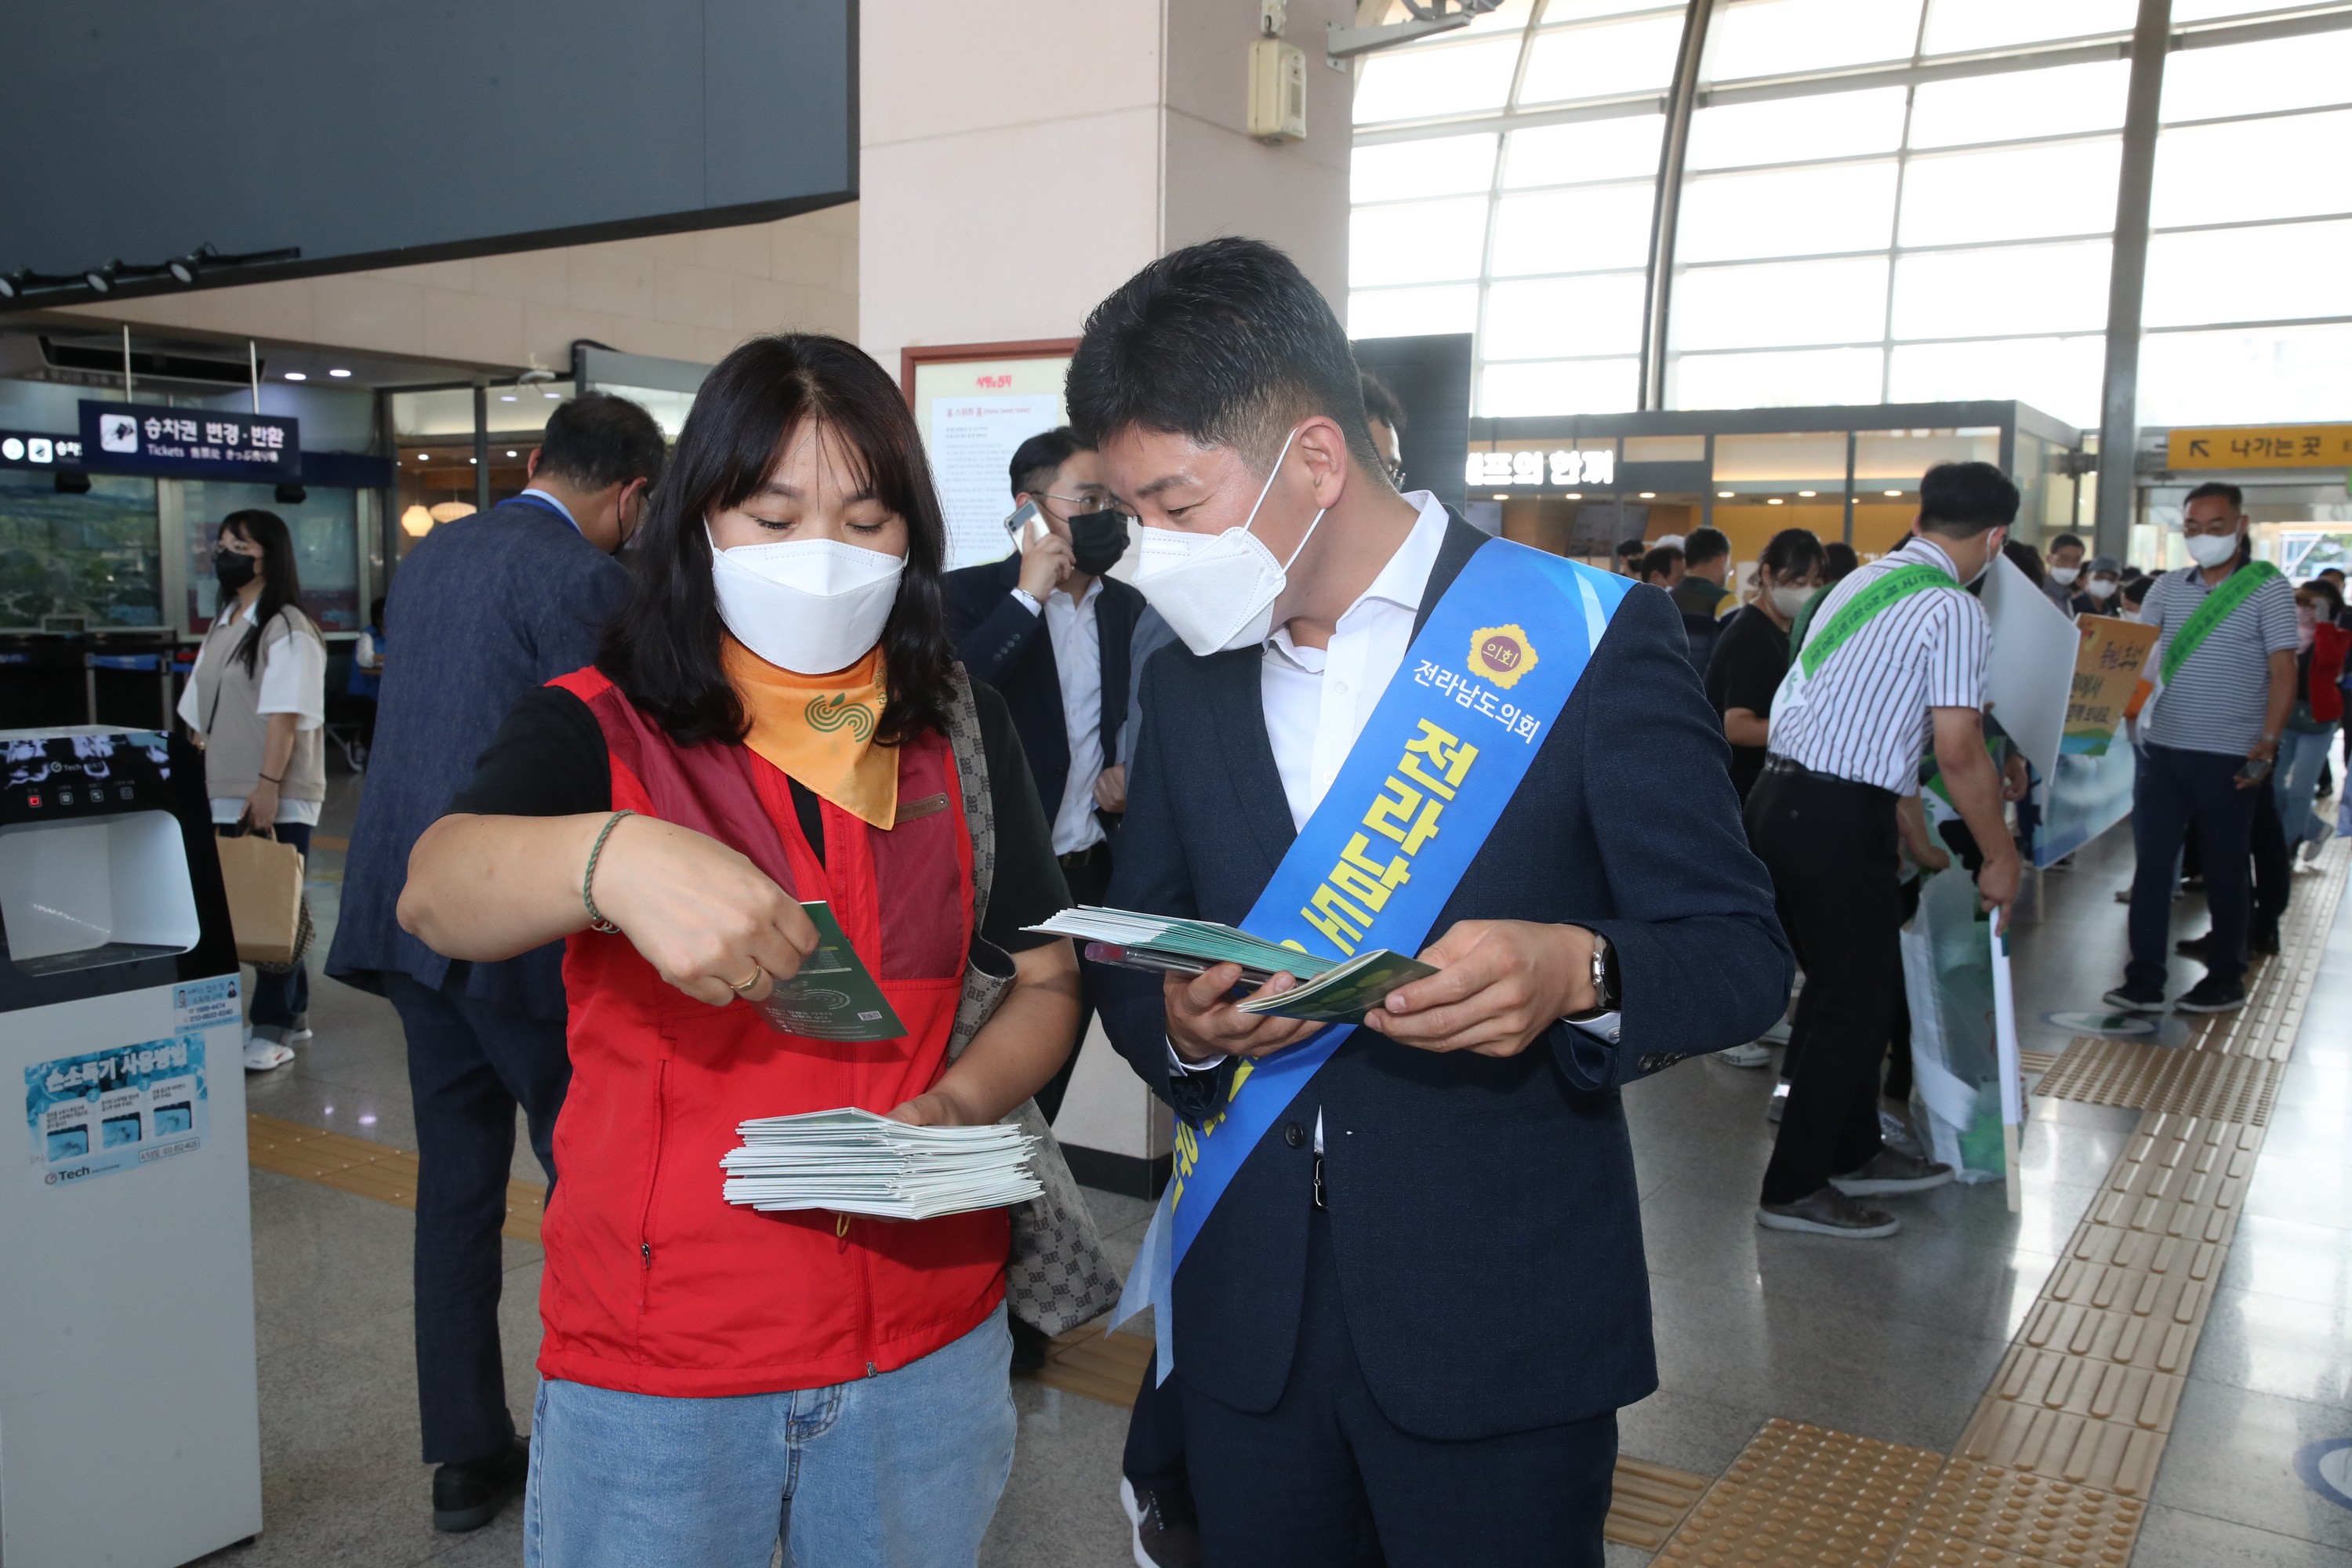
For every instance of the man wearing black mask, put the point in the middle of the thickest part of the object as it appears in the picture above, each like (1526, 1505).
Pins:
(1050, 631)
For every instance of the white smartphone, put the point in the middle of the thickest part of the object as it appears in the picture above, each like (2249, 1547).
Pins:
(1025, 526)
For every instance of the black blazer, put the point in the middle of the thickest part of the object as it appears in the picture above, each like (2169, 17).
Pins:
(1483, 1212)
(1005, 644)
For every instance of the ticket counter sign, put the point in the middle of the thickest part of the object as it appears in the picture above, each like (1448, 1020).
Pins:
(2260, 447)
(190, 443)
(2107, 671)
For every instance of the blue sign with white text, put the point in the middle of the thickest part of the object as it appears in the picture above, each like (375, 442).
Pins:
(192, 443)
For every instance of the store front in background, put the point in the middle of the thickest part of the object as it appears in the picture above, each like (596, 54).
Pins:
(1578, 485)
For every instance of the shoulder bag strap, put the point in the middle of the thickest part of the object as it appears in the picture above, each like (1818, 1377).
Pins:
(971, 775)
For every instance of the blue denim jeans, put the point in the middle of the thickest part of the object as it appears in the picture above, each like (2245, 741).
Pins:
(898, 1470)
(2302, 753)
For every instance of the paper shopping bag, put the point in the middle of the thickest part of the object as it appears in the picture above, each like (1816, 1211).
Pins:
(263, 879)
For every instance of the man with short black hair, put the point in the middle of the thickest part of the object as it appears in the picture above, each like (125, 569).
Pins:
(1699, 595)
(2225, 663)
(1353, 1197)
(2062, 568)
(482, 610)
(1628, 559)
(1662, 568)
(1892, 659)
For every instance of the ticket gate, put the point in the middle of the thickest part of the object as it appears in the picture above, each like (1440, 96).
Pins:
(130, 1433)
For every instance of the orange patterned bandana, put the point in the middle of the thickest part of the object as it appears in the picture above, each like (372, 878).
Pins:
(819, 729)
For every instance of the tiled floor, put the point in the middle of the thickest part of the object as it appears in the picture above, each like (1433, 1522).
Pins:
(1894, 1340)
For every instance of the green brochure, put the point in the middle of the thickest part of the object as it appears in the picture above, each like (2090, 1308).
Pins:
(834, 997)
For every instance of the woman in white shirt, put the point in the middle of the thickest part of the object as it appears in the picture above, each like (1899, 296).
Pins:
(254, 703)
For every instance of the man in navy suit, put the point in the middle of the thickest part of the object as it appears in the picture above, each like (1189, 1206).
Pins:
(1050, 632)
(484, 609)
(1416, 1308)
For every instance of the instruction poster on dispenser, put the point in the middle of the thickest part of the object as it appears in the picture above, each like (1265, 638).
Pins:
(115, 1110)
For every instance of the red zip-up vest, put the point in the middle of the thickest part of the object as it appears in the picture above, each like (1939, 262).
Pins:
(654, 1283)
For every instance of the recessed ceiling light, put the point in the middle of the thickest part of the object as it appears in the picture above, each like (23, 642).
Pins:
(340, 374)
(1809, 494)
(511, 454)
(1500, 495)
(553, 396)
(473, 459)
(1772, 500)
(1894, 492)
(506, 397)
(296, 376)
(424, 457)
(1723, 495)
(1576, 495)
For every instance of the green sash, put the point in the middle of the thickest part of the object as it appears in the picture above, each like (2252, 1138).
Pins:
(1855, 613)
(2235, 590)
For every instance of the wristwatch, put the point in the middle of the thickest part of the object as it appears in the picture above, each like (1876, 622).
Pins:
(1605, 987)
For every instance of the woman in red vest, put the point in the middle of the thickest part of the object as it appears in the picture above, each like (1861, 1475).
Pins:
(768, 722)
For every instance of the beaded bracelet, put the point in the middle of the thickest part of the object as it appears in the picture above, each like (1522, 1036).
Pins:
(596, 920)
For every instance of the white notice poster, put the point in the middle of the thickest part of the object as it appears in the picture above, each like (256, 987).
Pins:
(973, 439)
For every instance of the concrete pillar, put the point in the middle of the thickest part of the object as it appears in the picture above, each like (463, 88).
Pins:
(1017, 163)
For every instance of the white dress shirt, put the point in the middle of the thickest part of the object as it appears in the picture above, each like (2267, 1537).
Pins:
(1076, 632)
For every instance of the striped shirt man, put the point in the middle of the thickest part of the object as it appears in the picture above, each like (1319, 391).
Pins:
(2216, 700)
(1866, 714)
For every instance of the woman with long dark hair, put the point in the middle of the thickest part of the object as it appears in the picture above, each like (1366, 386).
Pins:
(254, 703)
(776, 717)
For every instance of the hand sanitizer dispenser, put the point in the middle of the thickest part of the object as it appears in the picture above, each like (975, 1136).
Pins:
(130, 1432)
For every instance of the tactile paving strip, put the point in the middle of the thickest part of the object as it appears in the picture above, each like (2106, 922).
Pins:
(375, 1171)
(2027, 1518)
(1800, 1493)
(2140, 1077)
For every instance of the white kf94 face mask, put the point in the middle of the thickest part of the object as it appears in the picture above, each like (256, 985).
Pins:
(1217, 590)
(2211, 549)
(809, 606)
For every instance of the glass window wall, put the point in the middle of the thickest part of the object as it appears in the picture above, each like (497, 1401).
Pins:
(95, 559)
(1855, 224)
(325, 529)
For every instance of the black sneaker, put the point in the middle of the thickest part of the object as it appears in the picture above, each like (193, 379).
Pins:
(2209, 995)
(2263, 942)
(1893, 1171)
(1828, 1212)
(2130, 998)
(1167, 1532)
(469, 1496)
(2195, 947)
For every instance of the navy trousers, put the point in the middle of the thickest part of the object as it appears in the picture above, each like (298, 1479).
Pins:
(1325, 1480)
(469, 1066)
(2175, 789)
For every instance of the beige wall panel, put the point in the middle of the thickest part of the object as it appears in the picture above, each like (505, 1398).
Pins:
(946, 67)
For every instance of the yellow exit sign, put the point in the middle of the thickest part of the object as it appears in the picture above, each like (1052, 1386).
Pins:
(2261, 447)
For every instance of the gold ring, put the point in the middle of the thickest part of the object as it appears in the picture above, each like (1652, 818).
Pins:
(747, 981)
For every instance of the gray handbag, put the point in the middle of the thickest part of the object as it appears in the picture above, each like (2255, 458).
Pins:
(1057, 1277)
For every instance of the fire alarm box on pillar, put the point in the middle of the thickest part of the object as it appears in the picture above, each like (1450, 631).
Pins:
(1278, 91)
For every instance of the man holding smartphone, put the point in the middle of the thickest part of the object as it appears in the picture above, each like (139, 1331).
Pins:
(2224, 661)
(1050, 632)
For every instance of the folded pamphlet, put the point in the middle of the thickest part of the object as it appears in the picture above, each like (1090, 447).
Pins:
(1331, 991)
(833, 997)
(856, 1162)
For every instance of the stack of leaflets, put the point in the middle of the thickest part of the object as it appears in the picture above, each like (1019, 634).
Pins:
(854, 1162)
(1329, 991)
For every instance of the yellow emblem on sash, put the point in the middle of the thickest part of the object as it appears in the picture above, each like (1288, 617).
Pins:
(1502, 654)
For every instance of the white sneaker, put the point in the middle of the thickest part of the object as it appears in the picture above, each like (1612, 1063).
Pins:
(260, 1055)
(1778, 1035)
(1752, 1055)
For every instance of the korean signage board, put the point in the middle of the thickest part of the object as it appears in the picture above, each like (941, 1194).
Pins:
(2260, 447)
(23, 449)
(190, 443)
(1564, 468)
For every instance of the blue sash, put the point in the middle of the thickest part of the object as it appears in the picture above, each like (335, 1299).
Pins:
(1428, 778)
